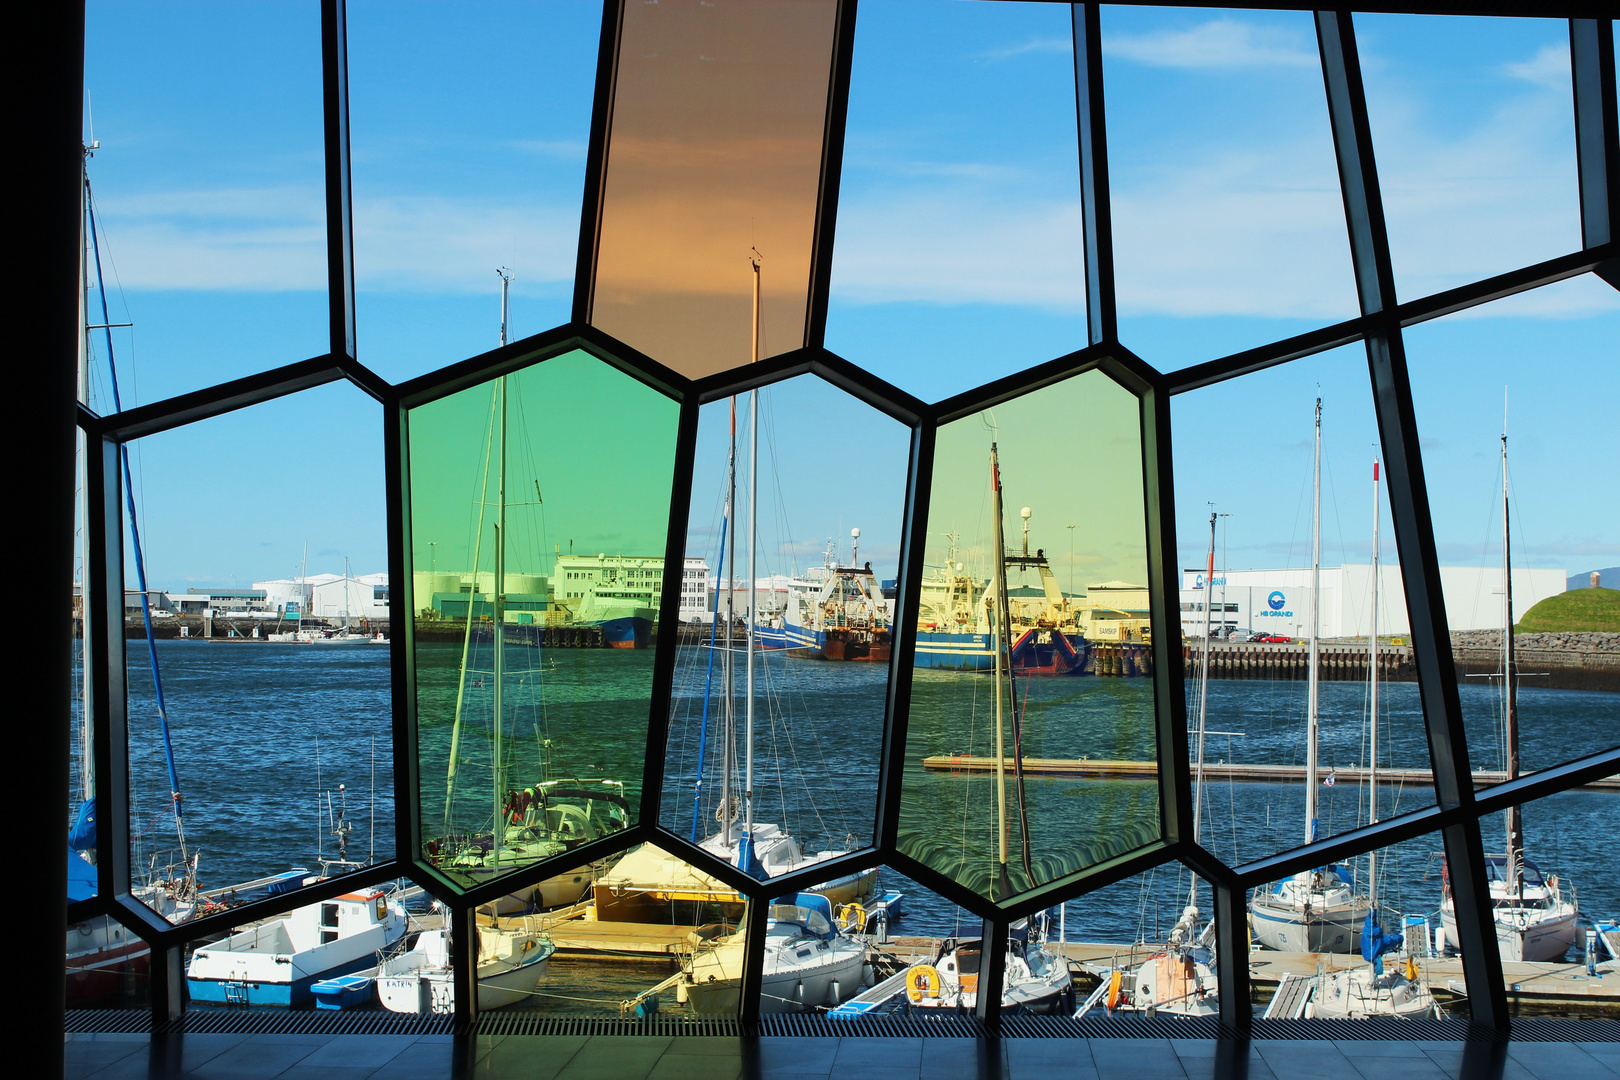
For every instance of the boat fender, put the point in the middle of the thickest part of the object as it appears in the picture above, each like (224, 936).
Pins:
(922, 981)
(834, 993)
(1116, 993)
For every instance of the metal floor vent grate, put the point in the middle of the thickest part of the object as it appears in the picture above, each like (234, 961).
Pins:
(283, 1022)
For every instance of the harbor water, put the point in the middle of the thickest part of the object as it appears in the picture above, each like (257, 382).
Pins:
(264, 733)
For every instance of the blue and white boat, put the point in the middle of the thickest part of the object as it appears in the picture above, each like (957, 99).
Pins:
(277, 962)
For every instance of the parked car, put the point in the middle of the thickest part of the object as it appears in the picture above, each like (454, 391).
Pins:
(1240, 634)
(1272, 639)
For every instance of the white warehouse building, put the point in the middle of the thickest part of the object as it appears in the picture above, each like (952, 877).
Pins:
(332, 597)
(1279, 601)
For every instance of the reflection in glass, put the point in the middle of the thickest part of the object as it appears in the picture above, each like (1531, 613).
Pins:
(793, 694)
(1031, 750)
(715, 148)
(532, 641)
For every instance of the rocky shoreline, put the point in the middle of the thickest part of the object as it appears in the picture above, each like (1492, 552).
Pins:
(1492, 639)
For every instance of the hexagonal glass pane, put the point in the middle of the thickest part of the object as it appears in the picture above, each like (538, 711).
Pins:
(1318, 967)
(959, 113)
(1031, 748)
(537, 541)
(794, 695)
(205, 236)
(446, 187)
(1473, 125)
(257, 661)
(714, 147)
(1286, 758)
(1507, 386)
(1228, 223)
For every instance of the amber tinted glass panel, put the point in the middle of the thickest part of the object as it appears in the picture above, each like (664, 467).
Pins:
(527, 518)
(715, 147)
(1075, 639)
(826, 558)
(1249, 623)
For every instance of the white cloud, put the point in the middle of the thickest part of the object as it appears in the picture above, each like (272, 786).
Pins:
(1061, 45)
(435, 243)
(1220, 43)
(1549, 68)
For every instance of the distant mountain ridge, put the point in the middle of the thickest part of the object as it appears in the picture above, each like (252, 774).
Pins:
(1609, 580)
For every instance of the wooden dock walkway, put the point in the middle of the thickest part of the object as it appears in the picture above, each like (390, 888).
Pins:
(1102, 769)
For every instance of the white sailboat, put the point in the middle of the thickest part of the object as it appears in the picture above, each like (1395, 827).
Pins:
(1533, 919)
(1316, 910)
(421, 980)
(1371, 990)
(639, 887)
(809, 964)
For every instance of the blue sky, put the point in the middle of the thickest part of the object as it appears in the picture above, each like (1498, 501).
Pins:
(957, 258)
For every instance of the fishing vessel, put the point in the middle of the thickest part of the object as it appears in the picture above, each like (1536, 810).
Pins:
(525, 823)
(1318, 910)
(420, 979)
(276, 962)
(1533, 919)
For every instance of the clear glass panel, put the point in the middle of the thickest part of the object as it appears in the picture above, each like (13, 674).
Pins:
(1228, 223)
(825, 565)
(1028, 710)
(715, 148)
(1473, 126)
(209, 189)
(522, 519)
(1143, 947)
(466, 155)
(270, 722)
(1530, 361)
(1348, 958)
(959, 113)
(375, 948)
(1250, 622)
(108, 967)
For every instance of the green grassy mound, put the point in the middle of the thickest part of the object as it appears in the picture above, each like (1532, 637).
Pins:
(1576, 611)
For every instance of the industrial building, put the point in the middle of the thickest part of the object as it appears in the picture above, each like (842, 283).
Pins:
(333, 597)
(1277, 601)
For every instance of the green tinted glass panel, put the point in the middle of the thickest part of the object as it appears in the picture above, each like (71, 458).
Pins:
(825, 559)
(1055, 675)
(539, 503)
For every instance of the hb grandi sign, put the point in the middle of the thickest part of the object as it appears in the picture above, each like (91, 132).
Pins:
(1276, 606)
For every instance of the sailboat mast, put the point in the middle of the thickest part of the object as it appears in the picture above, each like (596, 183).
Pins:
(728, 758)
(1316, 618)
(1203, 686)
(1372, 695)
(1515, 817)
(498, 596)
(753, 552)
(999, 634)
(87, 757)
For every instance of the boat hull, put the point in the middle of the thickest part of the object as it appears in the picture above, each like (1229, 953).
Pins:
(627, 632)
(1545, 940)
(227, 991)
(1287, 929)
(792, 991)
(1036, 652)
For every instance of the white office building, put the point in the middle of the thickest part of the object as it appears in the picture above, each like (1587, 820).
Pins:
(1278, 601)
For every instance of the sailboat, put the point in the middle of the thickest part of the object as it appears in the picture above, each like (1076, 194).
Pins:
(1533, 920)
(809, 963)
(648, 881)
(527, 823)
(1035, 979)
(1316, 910)
(1372, 991)
(1182, 979)
(101, 952)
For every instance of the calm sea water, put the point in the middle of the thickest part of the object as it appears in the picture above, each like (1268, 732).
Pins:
(264, 733)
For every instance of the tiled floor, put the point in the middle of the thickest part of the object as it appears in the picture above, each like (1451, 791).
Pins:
(555, 1057)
